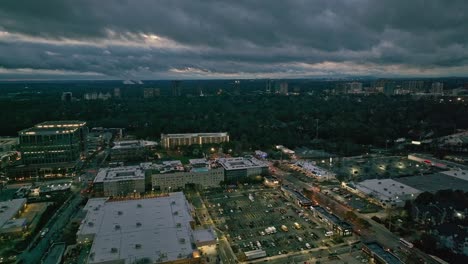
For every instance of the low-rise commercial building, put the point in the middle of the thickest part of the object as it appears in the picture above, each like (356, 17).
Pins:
(171, 175)
(240, 168)
(333, 222)
(131, 150)
(387, 192)
(174, 140)
(380, 255)
(119, 181)
(154, 230)
(9, 211)
(312, 170)
(297, 196)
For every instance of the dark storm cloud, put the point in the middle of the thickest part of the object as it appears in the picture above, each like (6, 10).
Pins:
(157, 39)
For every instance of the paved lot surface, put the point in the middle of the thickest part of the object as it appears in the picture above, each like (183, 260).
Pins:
(244, 214)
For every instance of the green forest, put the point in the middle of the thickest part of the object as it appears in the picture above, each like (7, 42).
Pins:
(345, 123)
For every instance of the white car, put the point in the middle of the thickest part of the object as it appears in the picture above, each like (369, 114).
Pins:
(44, 232)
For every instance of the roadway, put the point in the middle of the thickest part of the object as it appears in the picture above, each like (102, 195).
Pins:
(39, 245)
(56, 224)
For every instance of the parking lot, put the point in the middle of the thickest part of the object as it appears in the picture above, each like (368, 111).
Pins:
(257, 218)
(359, 169)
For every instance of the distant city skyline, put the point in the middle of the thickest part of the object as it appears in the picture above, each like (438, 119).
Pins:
(144, 40)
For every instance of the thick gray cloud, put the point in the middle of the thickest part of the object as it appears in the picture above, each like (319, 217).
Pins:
(196, 39)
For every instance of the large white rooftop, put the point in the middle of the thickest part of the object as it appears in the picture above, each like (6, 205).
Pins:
(8, 209)
(157, 229)
(387, 189)
(240, 163)
(120, 174)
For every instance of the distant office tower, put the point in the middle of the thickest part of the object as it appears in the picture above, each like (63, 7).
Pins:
(389, 88)
(437, 88)
(117, 93)
(237, 87)
(151, 92)
(268, 86)
(174, 140)
(354, 87)
(414, 86)
(148, 93)
(176, 90)
(53, 142)
(283, 88)
(67, 96)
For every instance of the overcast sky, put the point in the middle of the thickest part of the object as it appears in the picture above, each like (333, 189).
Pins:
(151, 39)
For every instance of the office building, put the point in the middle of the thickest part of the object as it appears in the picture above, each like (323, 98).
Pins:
(437, 88)
(175, 88)
(237, 87)
(268, 86)
(240, 168)
(120, 181)
(117, 93)
(95, 141)
(414, 86)
(67, 96)
(175, 140)
(354, 88)
(131, 150)
(151, 92)
(53, 142)
(200, 173)
(153, 230)
(283, 89)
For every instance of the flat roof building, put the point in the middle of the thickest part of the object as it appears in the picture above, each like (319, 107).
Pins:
(317, 172)
(387, 192)
(437, 181)
(120, 181)
(239, 168)
(9, 210)
(336, 225)
(131, 150)
(174, 140)
(53, 142)
(380, 255)
(172, 175)
(155, 230)
(298, 197)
